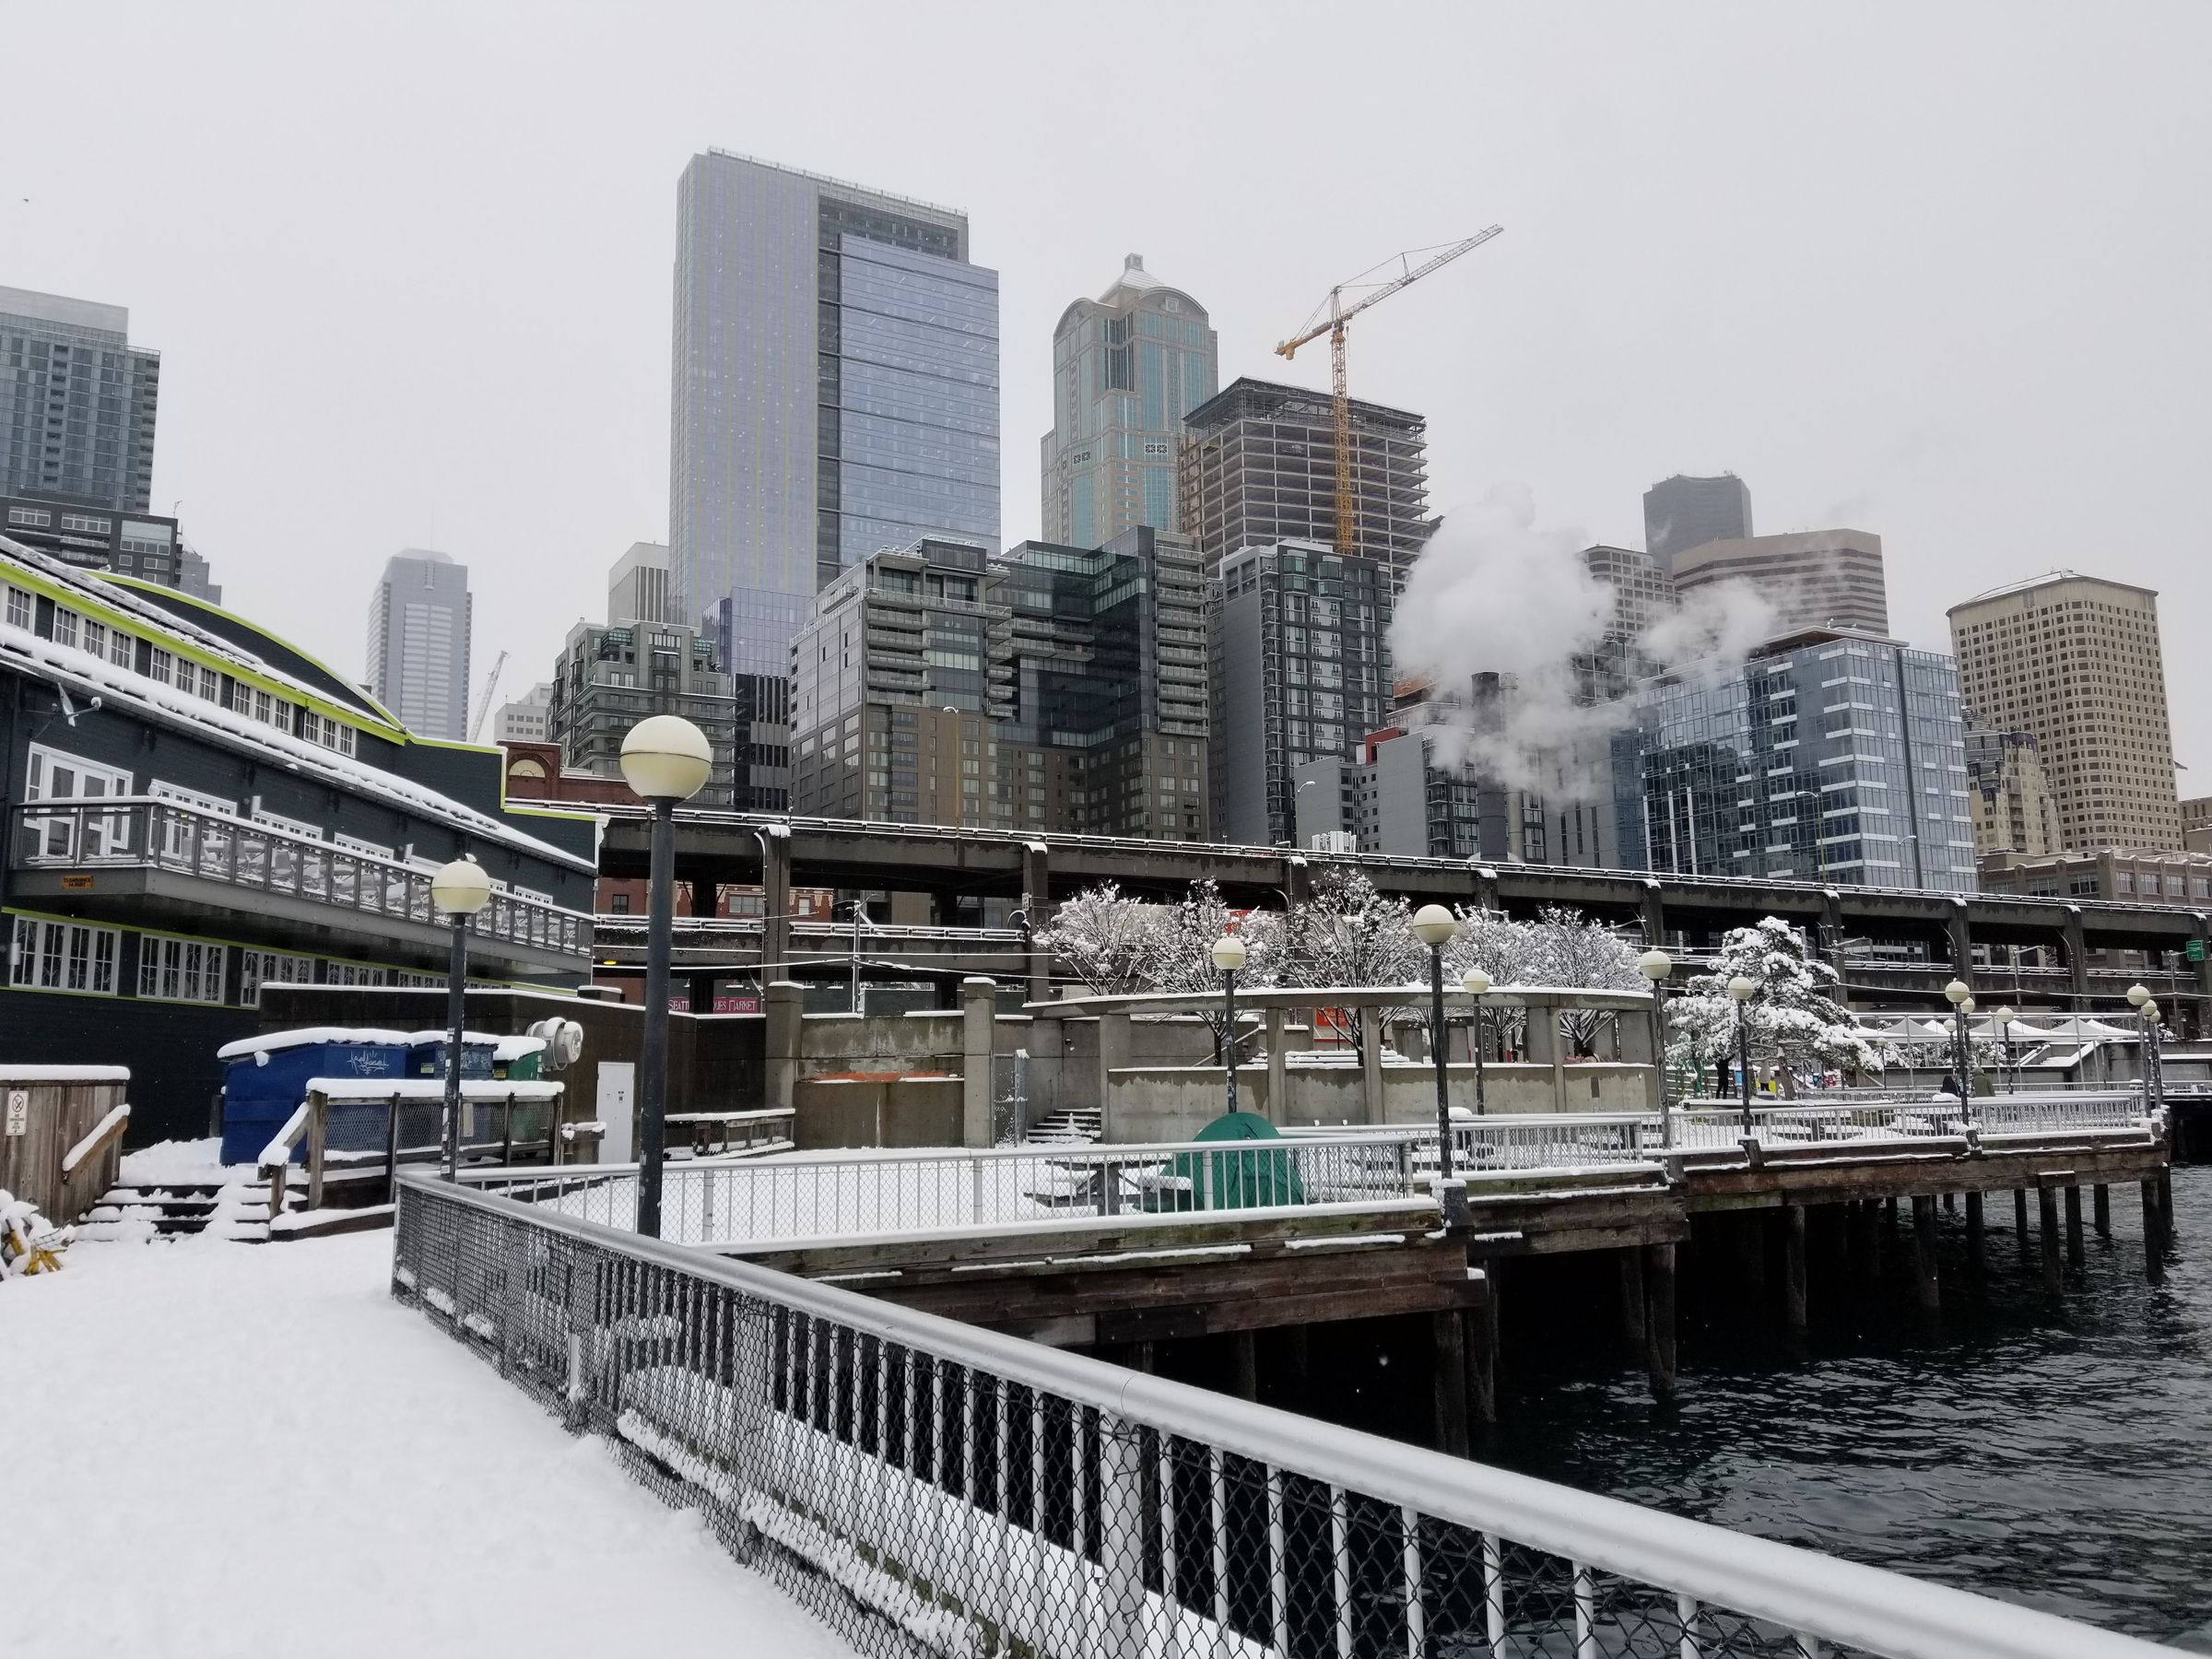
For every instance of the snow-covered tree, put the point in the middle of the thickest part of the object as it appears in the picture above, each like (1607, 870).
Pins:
(1103, 939)
(1118, 945)
(1562, 948)
(1796, 1019)
(1347, 933)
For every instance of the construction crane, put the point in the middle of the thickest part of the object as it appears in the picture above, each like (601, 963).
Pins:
(1330, 318)
(491, 684)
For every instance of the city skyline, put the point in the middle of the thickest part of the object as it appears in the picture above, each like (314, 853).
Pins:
(1887, 400)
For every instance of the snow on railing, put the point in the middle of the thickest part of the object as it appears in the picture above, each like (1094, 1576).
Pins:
(101, 1133)
(926, 1486)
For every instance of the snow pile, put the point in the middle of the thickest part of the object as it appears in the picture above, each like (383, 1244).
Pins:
(306, 1450)
(29, 1242)
(176, 1164)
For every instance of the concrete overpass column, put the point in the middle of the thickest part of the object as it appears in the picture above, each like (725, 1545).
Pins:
(784, 1041)
(1486, 886)
(775, 900)
(1962, 942)
(979, 1014)
(1832, 939)
(1278, 1075)
(1370, 1064)
(1654, 915)
(1037, 904)
(703, 896)
(1113, 1055)
(2078, 960)
(1298, 880)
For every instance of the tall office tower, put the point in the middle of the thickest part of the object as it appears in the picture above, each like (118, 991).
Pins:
(836, 391)
(1813, 578)
(608, 678)
(76, 402)
(1300, 655)
(1642, 593)
(1682, 513)
(419, 634)
(1126, 368)
(1828, 756)
(2009, 794)
(196, 576)
(2074, 661)
(637, 587)
(1260, 467)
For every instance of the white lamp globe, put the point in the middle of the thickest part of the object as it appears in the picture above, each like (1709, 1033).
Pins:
(2139, 994)
(1228, 953)
(2004, 1017)
(1743, 987)
(1957, 991)
(1967, 1007)
(1655, 964)
(1432, 924)
(2150, 1012)
(1475, 981)
(666, 759)
(461, 889)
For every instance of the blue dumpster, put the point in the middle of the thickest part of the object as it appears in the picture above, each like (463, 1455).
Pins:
(426, 1055)
(266, 1077)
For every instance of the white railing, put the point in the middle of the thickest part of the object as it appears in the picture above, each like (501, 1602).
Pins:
(155, 834)
(931, 1488)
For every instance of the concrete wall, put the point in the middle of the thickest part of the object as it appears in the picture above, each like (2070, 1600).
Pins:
(899, 1112)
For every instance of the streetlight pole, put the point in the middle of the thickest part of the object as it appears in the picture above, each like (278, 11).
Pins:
(2146, 1021)
(1656, 965)
(1961, 998)
(1229, 956)
(2004, 1019)
(460, 890)
(665, 759)
(1743, 987)
(1435, 926)
(1475, 984)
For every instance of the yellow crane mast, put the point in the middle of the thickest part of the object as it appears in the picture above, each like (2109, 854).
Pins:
(1330, 318)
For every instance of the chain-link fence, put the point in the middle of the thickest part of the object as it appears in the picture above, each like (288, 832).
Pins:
(930, 1489)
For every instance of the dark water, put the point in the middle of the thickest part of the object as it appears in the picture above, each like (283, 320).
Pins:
(2055, 1455)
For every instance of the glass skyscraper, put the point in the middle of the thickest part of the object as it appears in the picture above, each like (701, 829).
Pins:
(1126, 368)
(836, 391)
(77, 403)
(1831, 756)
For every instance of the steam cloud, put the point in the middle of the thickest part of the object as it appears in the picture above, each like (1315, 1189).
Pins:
(1493, 593)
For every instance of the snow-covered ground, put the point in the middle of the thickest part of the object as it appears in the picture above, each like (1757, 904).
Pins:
(215, 1448)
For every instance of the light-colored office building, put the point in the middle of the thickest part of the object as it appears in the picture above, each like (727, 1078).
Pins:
(1813, 578)
(524, 718)
(835, 391)
(637, 587)
(419, 636)
(2074, 661)
(1683, 512)
(2197, 824)
(77, 403)
(1126, 368)
(2011, 794)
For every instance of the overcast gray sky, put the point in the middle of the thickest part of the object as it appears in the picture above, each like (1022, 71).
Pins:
(1936, 271)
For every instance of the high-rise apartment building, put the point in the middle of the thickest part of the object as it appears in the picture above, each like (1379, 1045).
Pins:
(1812, 578)
(1259, 467)
(2074, 661)
(608, 678)
(145, 545)
(637, 587)
(1126, 368)
(2009, 794)
(77, 403)
(2197, 824)
(1829, 756)
(419, 636)
(1050, 689)
(1299, 655)
(836, 391)
(1683, 512)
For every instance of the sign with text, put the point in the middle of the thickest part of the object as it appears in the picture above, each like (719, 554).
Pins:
(18, 1112)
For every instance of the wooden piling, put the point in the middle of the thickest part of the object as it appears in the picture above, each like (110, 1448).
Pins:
(2154, 1243)
(1950, 1203)
(1923, 1250)
(1868, 1246)
(1794, 1261)
(1448, 1332)
(1659, 1318)
(1244, 1365)
(2076, 1256)
(2166, 1226)
(1633, 1296)
(1976, 1227)
(1889, 1213)
(1751, 1243)
(2046, 1202)
(2019, 1214)
(1481, 1346)
(2101, 1207)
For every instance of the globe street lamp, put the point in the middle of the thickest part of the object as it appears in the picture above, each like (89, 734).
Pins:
(460, 890)
(2004, 1019)
(1960, 997)
(2147, 1018)
(1229, 956)
(1475, 984)
(665, 759)
(1435, 926)
(1743, 987)
(1655, 965)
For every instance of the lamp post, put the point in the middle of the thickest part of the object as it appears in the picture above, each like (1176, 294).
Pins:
(1229, 956)
(1475, 984)
(665, 759)
(1743, 987)
(1959, 997)
(1656, 965)
(1435, 926)
(2004, 1019)
(2147, 1021)
(460, 890)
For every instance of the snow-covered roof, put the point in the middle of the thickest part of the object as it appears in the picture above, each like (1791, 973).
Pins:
(269, 1042)
(150, 695)
(502, 1047)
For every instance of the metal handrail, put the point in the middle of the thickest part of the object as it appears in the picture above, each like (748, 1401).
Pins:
(154, 832)
(748, 1398)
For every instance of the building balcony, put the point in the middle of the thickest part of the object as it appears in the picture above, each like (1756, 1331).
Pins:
(140, 862)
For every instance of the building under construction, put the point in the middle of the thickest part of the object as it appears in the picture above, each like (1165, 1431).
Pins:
(1259, 467)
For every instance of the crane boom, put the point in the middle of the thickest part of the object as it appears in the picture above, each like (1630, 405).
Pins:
(491, 684)
(1332, 325)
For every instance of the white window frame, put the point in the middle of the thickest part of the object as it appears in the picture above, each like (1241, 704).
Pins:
(178, 970)
(20, 609)
(104, 835)
(68, 958)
